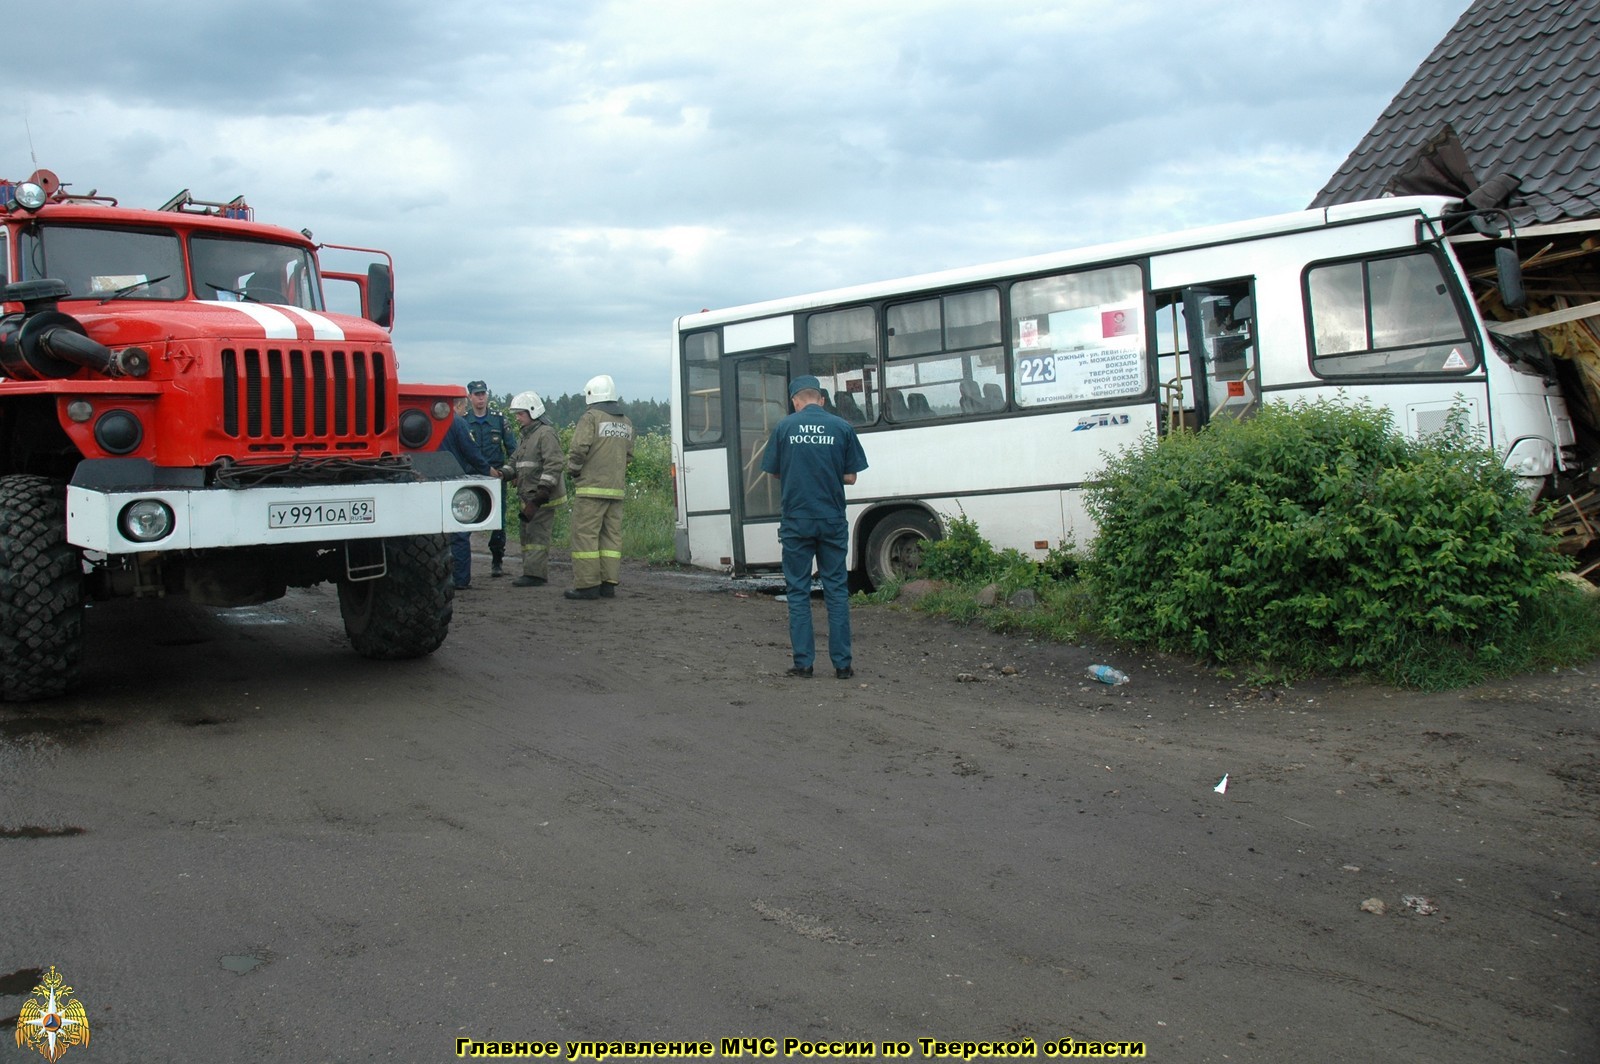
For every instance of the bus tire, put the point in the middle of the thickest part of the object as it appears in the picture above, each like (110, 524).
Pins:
(41, 591)
(894, 549)
(405, 613)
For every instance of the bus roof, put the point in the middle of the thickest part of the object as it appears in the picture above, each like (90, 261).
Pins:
(1338, 214)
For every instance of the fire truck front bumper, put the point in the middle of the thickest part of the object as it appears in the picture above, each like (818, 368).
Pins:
(129, 519)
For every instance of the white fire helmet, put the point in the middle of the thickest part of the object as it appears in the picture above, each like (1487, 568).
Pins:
(530, 402)
(601, 389)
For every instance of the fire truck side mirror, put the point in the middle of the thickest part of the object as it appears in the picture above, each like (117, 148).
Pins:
(380, 295)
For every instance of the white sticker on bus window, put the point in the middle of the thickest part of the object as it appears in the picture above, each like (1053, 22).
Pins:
(1455, 361)
(1104, 371)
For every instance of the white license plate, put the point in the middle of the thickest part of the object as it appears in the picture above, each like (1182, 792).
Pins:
(312, 514)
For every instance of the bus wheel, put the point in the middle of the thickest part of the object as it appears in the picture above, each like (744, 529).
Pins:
(406, 613)
(894, 550)
(41, 591)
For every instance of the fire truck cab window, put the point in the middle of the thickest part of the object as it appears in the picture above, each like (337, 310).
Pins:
(250, 270)
(98, 262)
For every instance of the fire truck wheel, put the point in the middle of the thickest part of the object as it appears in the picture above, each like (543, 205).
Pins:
(41, 591)
(405, 614)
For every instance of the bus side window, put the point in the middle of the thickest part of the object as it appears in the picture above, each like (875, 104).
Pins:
(849, 409)
(702, 384)
(1386, 315)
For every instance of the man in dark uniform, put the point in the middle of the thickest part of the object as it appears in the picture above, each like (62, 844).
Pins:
(459, 442)
(814, 454)
(496, 442)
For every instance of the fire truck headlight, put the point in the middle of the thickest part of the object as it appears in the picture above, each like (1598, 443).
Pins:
(442, 410)
(146, 520)
(30, 195)
(415, 429)
(118, 432)
(470, 505)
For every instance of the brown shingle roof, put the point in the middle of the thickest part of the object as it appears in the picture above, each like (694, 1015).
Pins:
(1513, 88)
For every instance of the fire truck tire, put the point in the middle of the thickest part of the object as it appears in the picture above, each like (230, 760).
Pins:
(894, 549)
(405, 614)
(41, 591)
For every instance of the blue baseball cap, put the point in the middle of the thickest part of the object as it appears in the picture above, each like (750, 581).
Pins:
(800, 384)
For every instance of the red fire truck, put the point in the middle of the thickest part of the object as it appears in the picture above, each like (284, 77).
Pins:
(180, 414)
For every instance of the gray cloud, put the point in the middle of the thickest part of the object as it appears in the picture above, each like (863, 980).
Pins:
(557, 182)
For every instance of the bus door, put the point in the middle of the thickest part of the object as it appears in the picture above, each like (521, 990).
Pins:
(1206, 349)
(1221, 320)
(758, 386)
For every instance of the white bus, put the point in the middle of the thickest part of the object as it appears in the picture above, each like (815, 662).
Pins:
(994, 391)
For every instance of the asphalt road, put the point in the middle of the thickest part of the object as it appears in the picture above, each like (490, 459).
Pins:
(617, 821)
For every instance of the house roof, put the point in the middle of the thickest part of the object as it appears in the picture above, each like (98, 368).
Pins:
(1513, 88)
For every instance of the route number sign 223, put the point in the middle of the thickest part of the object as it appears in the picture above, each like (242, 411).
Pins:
(1036, 369)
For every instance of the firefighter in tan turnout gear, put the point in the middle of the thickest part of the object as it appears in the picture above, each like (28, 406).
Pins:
(602, 445)
(537, 466)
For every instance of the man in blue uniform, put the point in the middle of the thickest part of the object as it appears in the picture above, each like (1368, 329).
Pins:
(459, 442)
(496, 442)
(814, 454)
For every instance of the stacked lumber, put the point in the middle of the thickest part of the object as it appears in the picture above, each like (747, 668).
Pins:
(1557, 280)
(1577, 522)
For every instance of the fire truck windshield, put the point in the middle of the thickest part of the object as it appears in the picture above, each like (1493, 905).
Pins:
(230, 269)
(97, 262)
(105, 262)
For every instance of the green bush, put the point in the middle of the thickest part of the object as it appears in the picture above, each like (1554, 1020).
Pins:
(651, 468)
(1315, 537)
(1062, 562)
(963, 556)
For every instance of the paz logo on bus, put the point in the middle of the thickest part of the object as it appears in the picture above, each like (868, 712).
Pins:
(1100, 421)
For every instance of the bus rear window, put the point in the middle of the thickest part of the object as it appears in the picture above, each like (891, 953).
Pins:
(1388, 317)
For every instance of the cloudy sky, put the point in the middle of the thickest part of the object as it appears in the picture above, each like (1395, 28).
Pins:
(558, 181)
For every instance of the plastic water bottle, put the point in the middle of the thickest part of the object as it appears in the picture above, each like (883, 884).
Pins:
(1106, 674)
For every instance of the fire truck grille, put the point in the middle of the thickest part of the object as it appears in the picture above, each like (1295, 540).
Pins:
(305, 399)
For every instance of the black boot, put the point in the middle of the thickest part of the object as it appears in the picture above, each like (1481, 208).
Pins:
(498, 569)
(581, 593)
